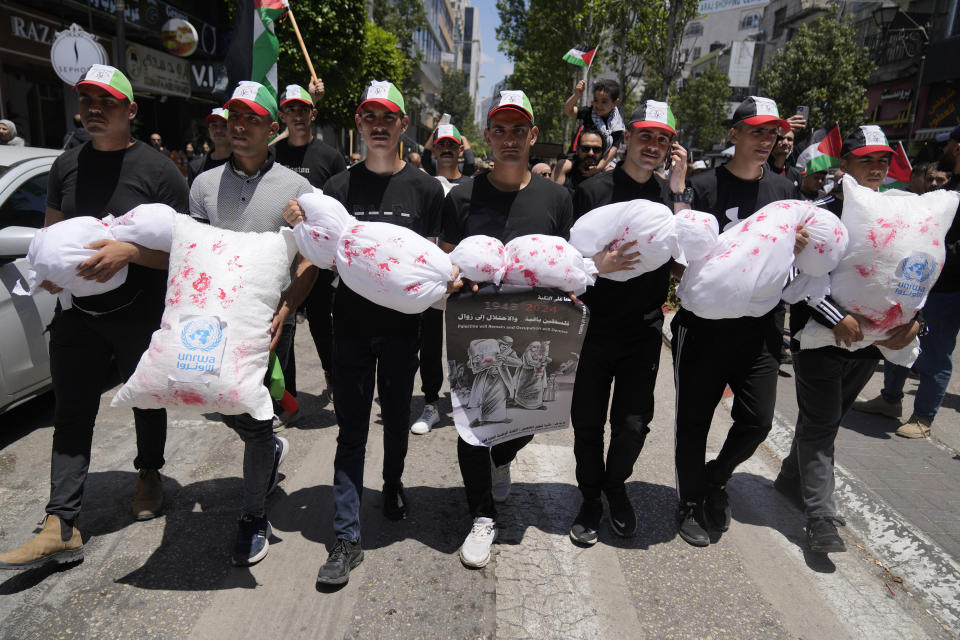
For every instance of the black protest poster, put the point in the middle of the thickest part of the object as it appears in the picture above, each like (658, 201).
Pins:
(512, 358)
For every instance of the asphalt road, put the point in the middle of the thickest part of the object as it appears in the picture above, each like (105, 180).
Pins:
(172, 578)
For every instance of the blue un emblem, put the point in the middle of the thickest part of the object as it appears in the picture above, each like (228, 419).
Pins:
(202, 334)
(917, 267)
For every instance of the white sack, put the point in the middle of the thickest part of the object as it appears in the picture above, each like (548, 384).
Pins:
(56, 251)
(648, 223)
(895, 255)
(148, 225)
(480, 258)
(695, 234)
(212, 348)
(827, 244)
(319, 234)
(547, 261)
(393, 266)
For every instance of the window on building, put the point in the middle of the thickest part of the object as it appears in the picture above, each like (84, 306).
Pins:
(694, 29)
(779, 17)
(696, 53)
(751, 20)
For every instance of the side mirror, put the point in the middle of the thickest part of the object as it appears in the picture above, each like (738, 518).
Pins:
(14, 242)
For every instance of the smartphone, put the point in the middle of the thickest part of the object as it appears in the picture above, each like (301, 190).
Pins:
(803, 111)
(445, 118)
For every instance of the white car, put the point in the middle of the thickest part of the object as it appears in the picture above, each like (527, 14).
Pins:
(24, 352)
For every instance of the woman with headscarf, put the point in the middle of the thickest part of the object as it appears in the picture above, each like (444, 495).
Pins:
(8, 134)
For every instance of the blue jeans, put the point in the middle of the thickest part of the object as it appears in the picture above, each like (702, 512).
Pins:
(393, 362)
(935, 364)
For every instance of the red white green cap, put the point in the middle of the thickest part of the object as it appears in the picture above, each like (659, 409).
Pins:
(256, 96)
(383, 93)
(295, 92)
(448, 132)
(109, 78)
(516, 100)
(756, 111)
(217, 112)
(866, 139)
(654, 115)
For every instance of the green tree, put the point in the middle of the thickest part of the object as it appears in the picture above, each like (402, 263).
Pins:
(403, 18)
(700, 108)
(455, 100)
(822, 67)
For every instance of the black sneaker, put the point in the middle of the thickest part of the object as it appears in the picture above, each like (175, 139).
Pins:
(790, 489)
(716, 507)
(692, 530)
(345, 556)
(253, 540)
(822, 535)
(584, 529)
(394, 502)
(623, 520)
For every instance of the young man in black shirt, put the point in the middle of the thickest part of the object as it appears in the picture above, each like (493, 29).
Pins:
(216, 122)
(111, 174)
(316, 161)
(830, 378)
(624, 335)
(446, 165)
(740, 352)
(370, 342)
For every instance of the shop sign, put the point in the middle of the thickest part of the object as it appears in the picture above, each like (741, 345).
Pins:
(152, 14)
(208, 78)
(943, 107)
(73, 52)
(157, 72)
(179, 37)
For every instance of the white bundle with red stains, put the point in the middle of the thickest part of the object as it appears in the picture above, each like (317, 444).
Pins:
(649, 224)
(894, 257)
(148, 225)
(480, 258)
(547, 261)
(212, 348)
(319, 234)
(745, 272)
(696, 233)
(56, 251)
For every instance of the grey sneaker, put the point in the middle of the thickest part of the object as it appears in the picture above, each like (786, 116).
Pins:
(426, 421)
(880, 407)
(500, 482)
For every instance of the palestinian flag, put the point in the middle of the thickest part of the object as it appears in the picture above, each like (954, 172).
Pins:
(266, 47)
(898, 175)
(580, 55)
(823, 156)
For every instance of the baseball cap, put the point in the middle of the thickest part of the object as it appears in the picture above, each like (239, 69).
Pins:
(654, 115)
(256, 96)
(447, 131)
(864, 140)
(954, 134)
(383, 93)
(295, 92)
(217, 112)
(109, 78)
(516, 100)
(756, 111)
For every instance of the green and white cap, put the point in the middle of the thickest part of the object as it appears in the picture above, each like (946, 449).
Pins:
(217, 113)
(256, 96)
(383, 93)
(295, 92)
(654, 115)
(447, 131)
(516, 100)
(109, 78)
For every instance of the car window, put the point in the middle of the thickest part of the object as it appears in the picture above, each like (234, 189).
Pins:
(27, 205)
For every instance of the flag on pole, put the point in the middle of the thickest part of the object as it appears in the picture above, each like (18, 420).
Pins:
(266, 47)
(580, 55)
(898, 175)
(823, 156)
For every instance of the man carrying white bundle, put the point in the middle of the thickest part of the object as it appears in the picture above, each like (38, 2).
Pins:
(830, 378)
(372, 343)
(624, 335)
(247, 193)
(111, 174)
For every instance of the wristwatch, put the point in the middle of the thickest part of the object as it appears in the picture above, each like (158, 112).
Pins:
(685, 196)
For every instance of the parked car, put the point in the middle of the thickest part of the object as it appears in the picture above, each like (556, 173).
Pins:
(24, 352)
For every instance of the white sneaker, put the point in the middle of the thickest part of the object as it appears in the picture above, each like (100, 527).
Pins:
(426, 421)
(475, 551)
(500, 481)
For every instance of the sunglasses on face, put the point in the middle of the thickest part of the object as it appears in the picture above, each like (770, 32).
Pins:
(586, 148)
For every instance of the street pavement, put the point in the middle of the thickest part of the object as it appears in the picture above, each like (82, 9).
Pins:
(172, 578)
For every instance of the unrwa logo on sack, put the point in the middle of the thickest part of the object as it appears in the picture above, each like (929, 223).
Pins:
(202, 334)
(913, 272)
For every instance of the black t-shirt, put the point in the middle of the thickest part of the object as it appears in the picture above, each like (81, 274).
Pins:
(789, 172)
(409, 198)
(949, 280)
(478, 208)
(617, 306)
(203, 163)
(87, 182)
(731, 199)
(574, 179)
(316, 161)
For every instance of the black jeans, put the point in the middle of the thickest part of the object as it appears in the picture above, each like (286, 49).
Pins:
(431, 354)
(708, 355)
(828, 382)
(629, 365)
(357, 362)
(319, 305)
(83, 348)
(475, 469)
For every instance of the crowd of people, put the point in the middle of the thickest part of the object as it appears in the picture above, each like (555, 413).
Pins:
(242, 182)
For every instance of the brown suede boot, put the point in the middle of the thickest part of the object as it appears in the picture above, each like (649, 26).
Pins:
(149, 495)
(57, 543)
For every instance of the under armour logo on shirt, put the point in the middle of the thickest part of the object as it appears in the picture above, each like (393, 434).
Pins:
(732, 214)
